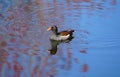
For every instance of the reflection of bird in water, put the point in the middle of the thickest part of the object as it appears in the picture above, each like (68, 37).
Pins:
(53, 49)
(57, 38)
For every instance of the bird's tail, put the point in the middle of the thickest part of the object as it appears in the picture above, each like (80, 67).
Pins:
(71, 30)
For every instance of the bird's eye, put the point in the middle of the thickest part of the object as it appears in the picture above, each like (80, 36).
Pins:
(52, 27)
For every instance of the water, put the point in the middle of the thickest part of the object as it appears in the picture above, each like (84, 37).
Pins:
(24, 41)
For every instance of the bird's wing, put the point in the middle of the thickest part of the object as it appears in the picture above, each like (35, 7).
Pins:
(64, 33)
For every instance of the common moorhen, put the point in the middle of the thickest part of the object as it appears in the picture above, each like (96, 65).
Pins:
(60, 36)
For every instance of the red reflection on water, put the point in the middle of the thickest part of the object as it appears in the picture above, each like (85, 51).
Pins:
(11, 17)
(52, 72)
(11, 49)
(1, 36)
(12, 40)
(16, 55)
(83, 51)
(85, 68)
(68, 64)
(17, 69)
(54, 61)
(27, 7)
(3, 56)
(26, 32)
(3, 44)
(9, 65)
(69, 54)
(38, 2)
(35, 71)
(1, 15)
(113, 2)
(4, 53)
(81, 0)
(60, 53)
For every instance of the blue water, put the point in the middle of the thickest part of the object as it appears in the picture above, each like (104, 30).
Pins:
(94, 52)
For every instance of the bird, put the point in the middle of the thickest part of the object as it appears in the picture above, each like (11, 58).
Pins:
(66, 35)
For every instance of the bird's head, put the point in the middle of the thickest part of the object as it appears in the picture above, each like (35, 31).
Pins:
(52, 28)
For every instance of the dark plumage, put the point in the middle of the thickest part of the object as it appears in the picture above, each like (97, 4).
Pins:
(59, 37)
(63, 35)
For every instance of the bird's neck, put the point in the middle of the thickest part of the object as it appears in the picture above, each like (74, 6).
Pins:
(55, 32)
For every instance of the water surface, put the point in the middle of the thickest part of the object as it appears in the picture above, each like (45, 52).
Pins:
(24, 41)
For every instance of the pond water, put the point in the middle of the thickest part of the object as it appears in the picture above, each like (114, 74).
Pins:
(24, 39)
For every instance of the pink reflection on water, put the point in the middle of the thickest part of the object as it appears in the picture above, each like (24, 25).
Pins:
(81, 0)
(26, 34)
(83, 51)
(17, 69)
(0, 15)
(113, 2)
(85, 68)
